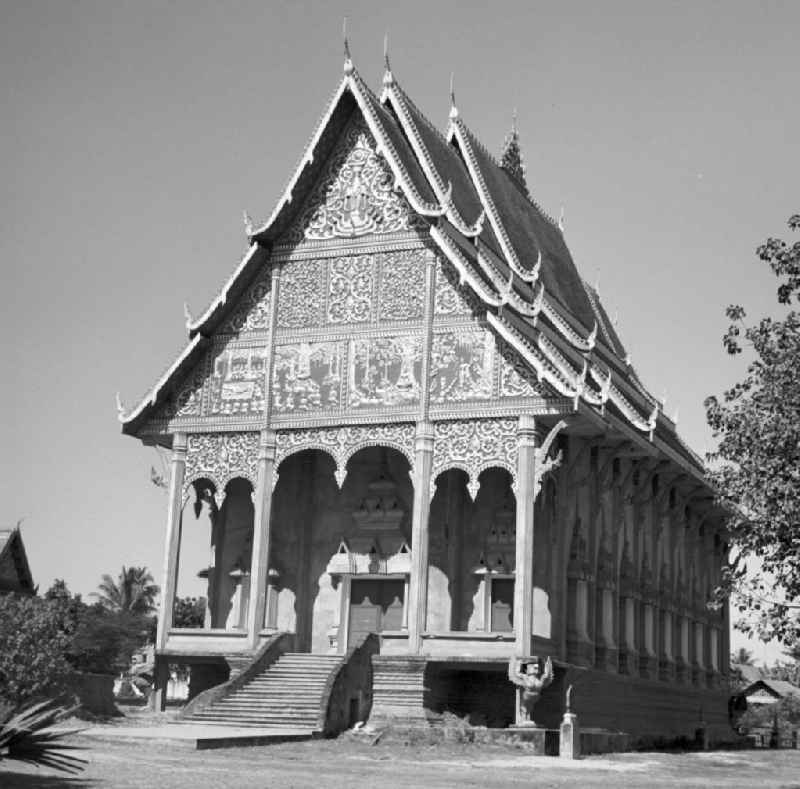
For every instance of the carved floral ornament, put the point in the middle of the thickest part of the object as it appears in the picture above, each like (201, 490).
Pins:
(341, 443)
(473, 446)
(221, 457)
(355, 195)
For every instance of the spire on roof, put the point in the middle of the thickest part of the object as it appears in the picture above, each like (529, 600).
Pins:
(511, 157)
(453, 108)
(348, 62)
(388, 77)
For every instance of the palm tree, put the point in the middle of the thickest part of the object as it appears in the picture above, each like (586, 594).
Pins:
(133, 591)
(26, 735)
(742, 657)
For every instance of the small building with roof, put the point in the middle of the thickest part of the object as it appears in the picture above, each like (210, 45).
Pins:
(15, 572)
(407, 425)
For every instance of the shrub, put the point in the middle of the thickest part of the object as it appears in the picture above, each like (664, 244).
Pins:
(32, 650)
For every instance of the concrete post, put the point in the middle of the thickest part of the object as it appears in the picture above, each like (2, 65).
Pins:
(173, 538)
(418, 584)
(526, 496)
(569, 743)
(259, 568)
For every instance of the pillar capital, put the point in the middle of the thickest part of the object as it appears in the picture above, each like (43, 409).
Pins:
(424, 436)
(526, 431)
(180, 443)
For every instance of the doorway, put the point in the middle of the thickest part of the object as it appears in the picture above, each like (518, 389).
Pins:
(376, 604)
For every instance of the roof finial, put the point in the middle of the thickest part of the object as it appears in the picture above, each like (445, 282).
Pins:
(249, 225)
(511, 156)
(120, 409)
(348, 61)
(388, 77)
(453, 108)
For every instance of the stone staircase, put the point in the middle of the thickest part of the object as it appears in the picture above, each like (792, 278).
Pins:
(289, 693)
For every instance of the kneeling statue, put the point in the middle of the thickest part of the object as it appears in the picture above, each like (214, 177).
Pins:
(530, 683)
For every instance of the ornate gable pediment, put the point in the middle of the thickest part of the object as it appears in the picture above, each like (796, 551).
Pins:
(355, 196)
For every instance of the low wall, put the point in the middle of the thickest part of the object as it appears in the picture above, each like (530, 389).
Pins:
(95, 693)
(348, 695)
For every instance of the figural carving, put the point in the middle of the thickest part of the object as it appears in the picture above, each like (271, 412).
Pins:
(355, 195)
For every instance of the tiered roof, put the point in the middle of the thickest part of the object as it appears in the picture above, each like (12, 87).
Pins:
(503, 245)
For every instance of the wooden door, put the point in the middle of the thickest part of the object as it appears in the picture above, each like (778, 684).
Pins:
(502, 612)
(376, 604)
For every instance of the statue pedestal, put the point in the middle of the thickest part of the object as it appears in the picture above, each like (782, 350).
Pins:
(569, 744)
(530, 733)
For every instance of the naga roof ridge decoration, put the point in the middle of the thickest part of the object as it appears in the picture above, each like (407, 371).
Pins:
(409, 114)
(527, 195)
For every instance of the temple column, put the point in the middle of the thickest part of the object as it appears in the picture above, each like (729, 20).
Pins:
(259, 567)
(173, 537)
(526, 498)
(170, 573)
(418, 583)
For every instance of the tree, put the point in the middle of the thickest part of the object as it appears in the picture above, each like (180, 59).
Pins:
(32, 648)
(756, 468)
(104, 641)
(189, 612)
(133, 591)
(742, 657)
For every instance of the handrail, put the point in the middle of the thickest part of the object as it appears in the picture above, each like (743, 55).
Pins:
(356, 661)
(267, 654)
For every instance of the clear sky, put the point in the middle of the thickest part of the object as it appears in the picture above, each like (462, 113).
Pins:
(133, 134)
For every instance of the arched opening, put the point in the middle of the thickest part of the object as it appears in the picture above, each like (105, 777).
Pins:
(341, 558)
(214, 556)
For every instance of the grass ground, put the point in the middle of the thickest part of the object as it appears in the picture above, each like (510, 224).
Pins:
(125, 764)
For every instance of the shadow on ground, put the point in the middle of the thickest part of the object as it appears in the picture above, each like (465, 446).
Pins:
(13, 780)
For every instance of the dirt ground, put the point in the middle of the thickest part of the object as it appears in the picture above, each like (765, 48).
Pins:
(125, 764)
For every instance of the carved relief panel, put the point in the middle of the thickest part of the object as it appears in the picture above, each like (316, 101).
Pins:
(236, 385)
(300, 297)
(355, 195)
(220, 457)
(341, 443)
(253, 311)
(385, 371)
(474, 445)
(307, 376)
(516, 378)
(452, 298)
(462, 364)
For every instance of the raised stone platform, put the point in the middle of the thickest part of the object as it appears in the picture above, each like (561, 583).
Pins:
(200, 737)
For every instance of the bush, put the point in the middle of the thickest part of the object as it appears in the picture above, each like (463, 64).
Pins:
(32, 650)
(104, 641)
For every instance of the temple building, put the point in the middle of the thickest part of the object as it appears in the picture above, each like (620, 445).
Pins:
(410, 446)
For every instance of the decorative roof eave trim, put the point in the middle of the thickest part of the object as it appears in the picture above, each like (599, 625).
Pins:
(506, 290)
(543, 366)
(196, 325)
(384, 146)
(352, 82)
(394, 94)
(457, 129)
(622, 403)
(539, 304)
(461, 264)
(305, 159)
(151, 397)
